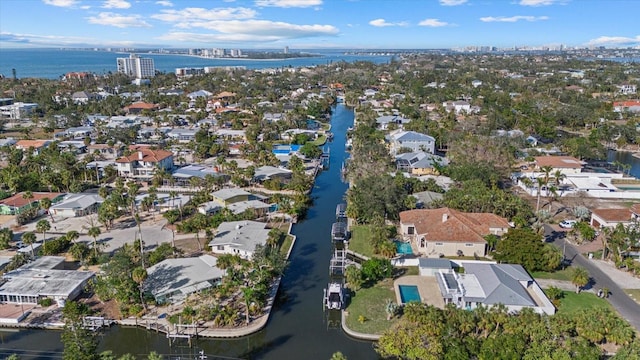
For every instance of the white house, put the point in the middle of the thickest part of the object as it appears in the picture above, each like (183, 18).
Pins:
(239, 238)
(457, 106)
(143, 162)
(411, 140)
(74, 205)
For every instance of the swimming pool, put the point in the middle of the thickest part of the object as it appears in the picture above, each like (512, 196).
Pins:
(408, 293)
(403, 248)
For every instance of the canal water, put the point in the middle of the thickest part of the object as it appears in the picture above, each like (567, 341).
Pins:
(626, 157)
(298, 327)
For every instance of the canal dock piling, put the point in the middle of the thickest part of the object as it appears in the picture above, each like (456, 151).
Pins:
(94, 323)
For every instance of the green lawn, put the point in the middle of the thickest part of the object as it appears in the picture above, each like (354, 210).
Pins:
(573, 303)
(286, 244)
(634, 293)
(321, 140)
(371, 304)
(359, 242)
(556, 275)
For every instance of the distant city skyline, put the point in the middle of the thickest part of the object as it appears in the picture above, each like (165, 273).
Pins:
(308, 24)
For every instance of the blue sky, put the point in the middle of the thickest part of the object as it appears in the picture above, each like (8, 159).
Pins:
(304, 24)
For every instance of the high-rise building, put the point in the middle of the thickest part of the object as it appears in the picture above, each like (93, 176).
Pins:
(136, 66)
(286, 50)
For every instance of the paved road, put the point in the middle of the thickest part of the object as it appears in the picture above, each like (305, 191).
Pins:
(628, 308)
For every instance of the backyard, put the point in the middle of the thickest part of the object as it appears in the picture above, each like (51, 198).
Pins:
(366, 310)
(359, 242)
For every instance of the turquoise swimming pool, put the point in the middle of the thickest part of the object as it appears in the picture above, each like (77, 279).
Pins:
(408, 293)
(403, 248)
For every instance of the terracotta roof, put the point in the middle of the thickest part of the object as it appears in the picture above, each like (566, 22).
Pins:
(25, 144)
(558, 162)
(18, 201)
(142, 105)
(635, 208)
(628, 103)
(451, 225)
(613, 215)
(148, 155)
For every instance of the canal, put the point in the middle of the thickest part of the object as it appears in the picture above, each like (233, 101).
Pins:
(298, 327)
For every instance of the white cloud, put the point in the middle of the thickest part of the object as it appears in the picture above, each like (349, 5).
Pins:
(384, 23)
(55, 40)
(61, 3)
(432, 23)
(615, 41)
(164, 3)
(288, 3)
(452, 2)
(188, 15)
(513, 18)
(542, 2)
(116, 4)
(85, 7)
(117, 20)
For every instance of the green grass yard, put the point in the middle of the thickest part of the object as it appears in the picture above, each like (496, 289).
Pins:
(359, 242)
(572, 303)
(371, 304)
(564, 274)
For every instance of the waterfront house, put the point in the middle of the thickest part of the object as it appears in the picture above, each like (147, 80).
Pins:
(414, 141)
(267, 172)
(143, 162)
(172, 280)
(182, 176)
(17, 203)
(384, 121)
(565, 164)
(448, 232)
(43, 278)
(485, 284)
(239, 238)
(419, 163)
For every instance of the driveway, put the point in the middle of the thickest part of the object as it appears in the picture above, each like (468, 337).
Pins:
(627, 308)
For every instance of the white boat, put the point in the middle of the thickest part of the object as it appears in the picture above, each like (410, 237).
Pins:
(334, 296)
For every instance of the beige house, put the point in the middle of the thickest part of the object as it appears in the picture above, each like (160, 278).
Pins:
(610, 218)
(448, 232)
(565, 164)
(143, 162)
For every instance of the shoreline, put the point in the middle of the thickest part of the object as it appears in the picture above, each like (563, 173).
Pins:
(226, 58)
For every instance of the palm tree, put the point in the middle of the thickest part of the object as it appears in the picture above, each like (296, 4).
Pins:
(45, 204)
(29, 238)
(387, 249)
(28, 195)
(540, 182)
(139, 275)
(43, 226)
(94, 232)
(73, 235)
(580, 278)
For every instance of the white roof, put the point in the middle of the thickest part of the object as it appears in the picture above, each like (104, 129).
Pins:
(185, 275)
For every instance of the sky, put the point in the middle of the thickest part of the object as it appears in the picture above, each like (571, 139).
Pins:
(309, 24)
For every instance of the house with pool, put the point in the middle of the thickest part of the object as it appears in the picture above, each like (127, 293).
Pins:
(481, 283)
(448, 232)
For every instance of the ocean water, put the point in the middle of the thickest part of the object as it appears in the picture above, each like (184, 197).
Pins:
(53, 63)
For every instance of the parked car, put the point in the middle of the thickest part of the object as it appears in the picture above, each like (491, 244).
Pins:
(568, 224)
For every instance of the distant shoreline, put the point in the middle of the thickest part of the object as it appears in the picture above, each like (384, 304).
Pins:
(228, 58)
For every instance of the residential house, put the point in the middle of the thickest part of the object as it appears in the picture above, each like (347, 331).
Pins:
(18, 111)
(424, 199)
(231, 195)
(17, 203)
(610, 218)
(182, 176)
(199, 94)
(488, 285)
(143, 162)
(627, 106)
(43, 278)
(74, 205)
(239, 238)
(172, 280)
(273, 117)
(7, 142)
(182, 135)
(36, 145)
(105, 151)
(420, 163)
(412, 140)
(565, 164)
(236, 200)
(267, 172)
(139, 107)
(627, 89)
(82, 97)
(384, 121)
(458, 106)
(448, 232)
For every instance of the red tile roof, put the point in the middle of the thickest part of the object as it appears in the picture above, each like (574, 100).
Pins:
(559, 162)
(142, 106)
(148, 155)
(18, 201)
(25, 144)
(451, 225)
(628, 103)
(613, 215)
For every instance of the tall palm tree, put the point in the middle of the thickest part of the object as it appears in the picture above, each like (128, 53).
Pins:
(43, 226)
(139, 275)
(540, 182)
(29, 238)
(28, 195)
(94, 232)
(45, 204)
(72, 235)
